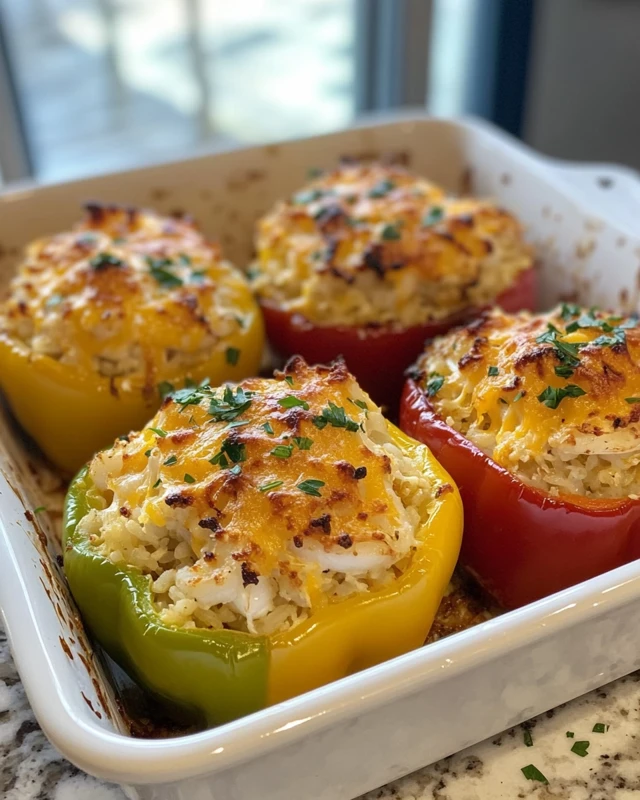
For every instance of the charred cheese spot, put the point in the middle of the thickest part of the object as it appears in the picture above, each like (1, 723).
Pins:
(559, 406)
(257, 507)
(373, 244)
(125, 293)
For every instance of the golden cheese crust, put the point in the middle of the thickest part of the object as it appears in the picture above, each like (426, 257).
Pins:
(545, 390)
(126, 292)
(291, 485)
(371, 244)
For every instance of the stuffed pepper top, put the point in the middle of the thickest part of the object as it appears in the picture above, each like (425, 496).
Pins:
(370, 248)
(537, 417)
(102, 314)
(284, 508)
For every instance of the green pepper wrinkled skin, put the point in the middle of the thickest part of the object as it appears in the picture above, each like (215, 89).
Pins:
(219, 675)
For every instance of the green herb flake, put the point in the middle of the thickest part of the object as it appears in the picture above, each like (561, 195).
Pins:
(390, 232)
(236, 470)
(54, 301)
(183, 258)
(267, 487)
(580, 748)
(39, 509)
(493, 371)
(292, 402)
(532, 773)
(189, 478)
(229, 451)
(158, 268)
(159, 432)
(564, 370)
(632, 400)
(232, 355)
(382, 188)
(336, 417)
(528, 738)
(268, 428)
(157, 483)
(570, 734)
(238, 423)
(282, 451)
(434, 384)
(519, 396)
(104, 261)
(289, 379)
(307, 196)
(303, 442)
(198, 276)
(230, 406)
(147, 453)
(170, 461)
(552, 397)
(435, 214)
(569, 310)
(311, 486)
(600, 727)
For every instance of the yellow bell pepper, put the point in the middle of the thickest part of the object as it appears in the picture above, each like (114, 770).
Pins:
(221, 675)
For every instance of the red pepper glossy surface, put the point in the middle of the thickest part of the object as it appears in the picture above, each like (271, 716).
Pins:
(377, 356)
(520, 543)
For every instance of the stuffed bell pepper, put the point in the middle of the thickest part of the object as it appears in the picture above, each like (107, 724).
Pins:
(97, 318)
(537, 418)
(257, 541)
(368, 261)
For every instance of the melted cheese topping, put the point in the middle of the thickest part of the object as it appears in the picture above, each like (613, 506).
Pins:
(125, 293)
(371, 244)
(554, 397)
(267, 499)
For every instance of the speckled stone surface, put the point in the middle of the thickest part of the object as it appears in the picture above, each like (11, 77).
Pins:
(31, 769)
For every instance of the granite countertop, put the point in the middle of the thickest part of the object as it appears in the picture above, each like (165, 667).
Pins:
(31, 769)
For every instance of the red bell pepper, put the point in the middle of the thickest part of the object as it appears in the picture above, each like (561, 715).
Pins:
(521, 543)
(377, 355)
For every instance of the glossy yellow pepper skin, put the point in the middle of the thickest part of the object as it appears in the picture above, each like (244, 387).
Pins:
(220, 675)
(72, 413)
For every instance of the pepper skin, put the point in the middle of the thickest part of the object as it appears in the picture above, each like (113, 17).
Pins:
(521, 543)
(377, 356)
(221, 675)
(72, 413)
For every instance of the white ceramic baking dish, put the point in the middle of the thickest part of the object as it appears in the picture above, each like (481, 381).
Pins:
(370, 728)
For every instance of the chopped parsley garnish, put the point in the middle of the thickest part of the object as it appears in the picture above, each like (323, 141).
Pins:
(519, 396)
(570, 734)
(238, 423)
(39, 509)
(229, 451)
(291, 402)
(105, 260)
(189, 478)
(434, 384)
(198, 276)
(390, 232)
(532, 773)
(567, 352)
(230, 406)
(307, 196)
(268, 428)
(170, 461)
(267, 487)
(303, 442)
(147, 453)
(336, 417)
(580, 748)
(382, 188)
(282, 451)
(564, 370)
(232, 354)
(158, 268)
(493, 371)
(159, 432)
(54, 300)
(631, 400)
(569, 310)
(552, 397)
(432, 216)
(289, 379)
(183, 258)
(528, 739)
(361, 404)
(235, 470)
(157, 483)
(311, 486)
(600, 727)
